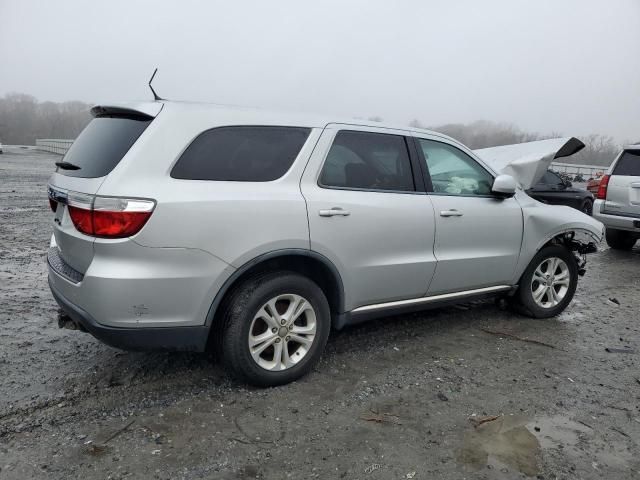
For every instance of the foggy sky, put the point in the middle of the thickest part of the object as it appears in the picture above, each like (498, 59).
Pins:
(568, 66)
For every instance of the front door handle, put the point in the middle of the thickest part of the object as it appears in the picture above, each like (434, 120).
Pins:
(450, 213)
(333, 212)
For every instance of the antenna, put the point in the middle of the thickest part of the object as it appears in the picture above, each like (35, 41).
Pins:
(155, 95)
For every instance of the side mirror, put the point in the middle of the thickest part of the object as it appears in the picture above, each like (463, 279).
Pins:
(504, 186)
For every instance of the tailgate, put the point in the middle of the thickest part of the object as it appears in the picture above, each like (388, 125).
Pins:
(94, 154)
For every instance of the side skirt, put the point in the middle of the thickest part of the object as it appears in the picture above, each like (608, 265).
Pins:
(370, 312)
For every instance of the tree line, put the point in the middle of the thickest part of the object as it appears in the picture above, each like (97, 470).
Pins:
(23, 119)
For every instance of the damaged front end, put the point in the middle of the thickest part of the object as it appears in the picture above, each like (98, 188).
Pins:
(546, 225)
(579, 245)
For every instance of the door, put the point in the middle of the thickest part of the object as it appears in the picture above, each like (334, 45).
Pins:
(368, 214)
(478, 235)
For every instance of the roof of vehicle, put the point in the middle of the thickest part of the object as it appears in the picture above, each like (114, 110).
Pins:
(153, 108)
(635, 146)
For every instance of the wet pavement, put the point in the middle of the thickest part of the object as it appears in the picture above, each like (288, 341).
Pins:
(429, 395)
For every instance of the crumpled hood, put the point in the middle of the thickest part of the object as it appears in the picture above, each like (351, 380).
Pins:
(527, 162)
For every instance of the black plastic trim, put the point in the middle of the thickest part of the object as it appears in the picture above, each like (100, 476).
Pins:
(62, 268)
(420, 172)
(136, 339)
(354, 318)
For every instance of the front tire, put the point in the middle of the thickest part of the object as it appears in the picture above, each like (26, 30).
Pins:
(548, 284)
(620, 239)
(276, 326)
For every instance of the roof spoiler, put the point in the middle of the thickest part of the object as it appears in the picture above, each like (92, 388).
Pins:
(144, 109)
(527, 162)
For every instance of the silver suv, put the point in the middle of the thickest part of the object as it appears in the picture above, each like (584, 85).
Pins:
(188, 226)
(618, 200)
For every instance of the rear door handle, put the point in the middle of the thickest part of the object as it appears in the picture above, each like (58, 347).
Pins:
(450, 213)
(333, 212)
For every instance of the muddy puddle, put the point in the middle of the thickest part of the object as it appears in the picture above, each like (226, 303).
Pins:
(516, 442)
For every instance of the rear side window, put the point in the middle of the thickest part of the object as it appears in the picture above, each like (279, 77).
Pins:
(241, 154)
(102, 144)
(368, 161)
(628, 164)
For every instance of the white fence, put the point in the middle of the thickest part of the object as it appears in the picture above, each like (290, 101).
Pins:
(54, 145)
(587, 171)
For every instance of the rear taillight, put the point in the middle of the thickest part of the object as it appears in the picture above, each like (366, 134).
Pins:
(602, 188)
(109, 217)
(120, 217)
(53, 204)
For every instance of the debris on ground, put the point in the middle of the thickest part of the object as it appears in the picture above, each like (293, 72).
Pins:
(380, 417)
(372, 468)
(619, 431)
(619, 350)
(442, 397)
(615, 301)
(98, 449)
(516, 337)
(477, 421)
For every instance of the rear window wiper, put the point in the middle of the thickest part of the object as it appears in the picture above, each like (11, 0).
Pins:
(67, 166)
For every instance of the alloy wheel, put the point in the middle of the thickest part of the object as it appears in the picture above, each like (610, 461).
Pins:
(550, 282)
(282, 332)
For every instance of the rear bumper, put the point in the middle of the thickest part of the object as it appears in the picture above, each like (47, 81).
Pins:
(192, 338)
(615, 221)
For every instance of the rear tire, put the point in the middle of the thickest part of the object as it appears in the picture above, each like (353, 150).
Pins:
(275, 328)
(620, 239)
(548, 284)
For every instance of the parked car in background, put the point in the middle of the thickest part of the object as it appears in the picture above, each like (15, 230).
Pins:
(618, 200)
(186, 226)
(0, 147)
(554, 190)
(594, 183)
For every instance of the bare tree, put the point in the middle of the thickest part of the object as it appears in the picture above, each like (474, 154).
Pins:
(23, 119)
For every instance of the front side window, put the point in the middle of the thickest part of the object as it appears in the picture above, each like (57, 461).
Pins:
(453, 172)
(368, 161)
(241, 154)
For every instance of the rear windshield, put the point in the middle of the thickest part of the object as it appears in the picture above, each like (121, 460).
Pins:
(102, 144)
(629, 164)
(241, 154)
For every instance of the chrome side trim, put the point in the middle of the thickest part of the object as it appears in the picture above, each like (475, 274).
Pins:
(433, 298)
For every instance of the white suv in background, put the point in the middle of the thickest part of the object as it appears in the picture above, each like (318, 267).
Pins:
(617, 202)
(184, 226)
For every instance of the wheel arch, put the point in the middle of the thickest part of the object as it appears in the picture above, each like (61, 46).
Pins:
(315, 266)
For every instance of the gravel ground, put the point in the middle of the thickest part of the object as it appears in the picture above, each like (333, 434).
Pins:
(401, 397)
